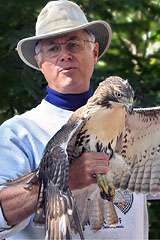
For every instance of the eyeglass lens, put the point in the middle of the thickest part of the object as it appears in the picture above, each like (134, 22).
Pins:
(52, 49)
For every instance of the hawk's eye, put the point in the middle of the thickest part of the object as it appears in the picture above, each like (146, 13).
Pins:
(119, 95)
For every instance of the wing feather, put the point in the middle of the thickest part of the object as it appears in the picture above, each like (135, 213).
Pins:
(57, 200)
(140, 148)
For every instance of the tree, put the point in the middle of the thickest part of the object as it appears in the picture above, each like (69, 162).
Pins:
(133, 55)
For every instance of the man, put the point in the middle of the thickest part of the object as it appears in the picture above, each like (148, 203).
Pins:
(66, 48)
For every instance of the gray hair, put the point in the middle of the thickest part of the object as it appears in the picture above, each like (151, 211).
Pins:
(38, 50)
(90, 35)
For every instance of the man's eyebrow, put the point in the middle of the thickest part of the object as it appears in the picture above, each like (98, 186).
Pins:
(72, 38)
(51, 42)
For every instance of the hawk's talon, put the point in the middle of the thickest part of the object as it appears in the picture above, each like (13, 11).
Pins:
(29, 187)
(107, 189)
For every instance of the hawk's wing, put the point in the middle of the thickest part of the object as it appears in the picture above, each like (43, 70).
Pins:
(57, 199)
(140, 148)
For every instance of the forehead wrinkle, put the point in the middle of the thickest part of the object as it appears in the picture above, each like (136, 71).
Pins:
(66, 37)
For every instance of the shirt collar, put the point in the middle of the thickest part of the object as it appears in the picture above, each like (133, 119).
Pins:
(69, 102)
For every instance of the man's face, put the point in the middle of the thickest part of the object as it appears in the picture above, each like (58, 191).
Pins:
(69, 72)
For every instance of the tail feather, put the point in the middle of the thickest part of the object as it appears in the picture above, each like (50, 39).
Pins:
(95, 212)
(58, 206)
(97, 209)
(110, 214)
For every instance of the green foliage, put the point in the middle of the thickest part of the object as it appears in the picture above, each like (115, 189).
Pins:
(154, 215)
(133, 55)
(21, 88)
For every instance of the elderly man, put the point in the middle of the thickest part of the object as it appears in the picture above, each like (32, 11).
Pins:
(65, 49)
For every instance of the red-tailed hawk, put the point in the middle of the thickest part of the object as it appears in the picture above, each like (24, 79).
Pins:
(107, 123)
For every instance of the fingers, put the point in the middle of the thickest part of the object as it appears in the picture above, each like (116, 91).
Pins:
(96, 155)
(82, 169)
(97, 169)
(94, 163)
(94, 158)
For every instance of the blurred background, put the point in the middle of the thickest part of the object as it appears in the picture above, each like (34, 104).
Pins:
(134, 54)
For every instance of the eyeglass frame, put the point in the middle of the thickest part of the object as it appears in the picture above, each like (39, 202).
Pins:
(63, 43)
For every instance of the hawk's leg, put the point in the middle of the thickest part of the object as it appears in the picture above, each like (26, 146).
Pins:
(107, 189)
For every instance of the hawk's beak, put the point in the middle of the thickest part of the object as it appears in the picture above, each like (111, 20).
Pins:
(129, 105)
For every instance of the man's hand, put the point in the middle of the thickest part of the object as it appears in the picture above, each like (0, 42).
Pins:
(81, 171)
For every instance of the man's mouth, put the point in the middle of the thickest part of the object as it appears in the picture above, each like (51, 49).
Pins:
(66, 69)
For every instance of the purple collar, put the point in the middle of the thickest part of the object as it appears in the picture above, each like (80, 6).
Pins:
(69, 102)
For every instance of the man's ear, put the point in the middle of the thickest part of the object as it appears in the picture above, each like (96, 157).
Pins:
(96, 52)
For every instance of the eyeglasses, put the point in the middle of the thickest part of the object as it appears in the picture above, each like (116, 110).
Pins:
(52, 49)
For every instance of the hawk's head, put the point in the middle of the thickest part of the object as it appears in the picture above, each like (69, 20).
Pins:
(114, 91)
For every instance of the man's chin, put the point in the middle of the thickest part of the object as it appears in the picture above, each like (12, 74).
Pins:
(73, 88)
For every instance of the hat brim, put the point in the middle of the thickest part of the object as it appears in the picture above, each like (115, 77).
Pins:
(101, 30)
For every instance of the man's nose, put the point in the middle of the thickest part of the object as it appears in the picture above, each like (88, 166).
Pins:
(65, 54)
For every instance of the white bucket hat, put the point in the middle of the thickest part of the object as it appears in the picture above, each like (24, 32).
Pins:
(59, 18)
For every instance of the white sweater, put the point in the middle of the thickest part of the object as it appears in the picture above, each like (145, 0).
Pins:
(22, 142)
